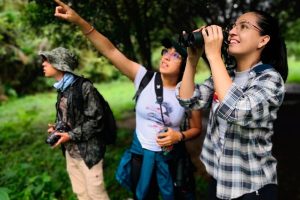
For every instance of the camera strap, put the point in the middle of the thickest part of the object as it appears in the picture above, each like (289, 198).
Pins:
(158, 86)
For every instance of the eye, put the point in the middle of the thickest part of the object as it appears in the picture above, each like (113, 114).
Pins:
(244, 26)
(164, 52)
(176, 55)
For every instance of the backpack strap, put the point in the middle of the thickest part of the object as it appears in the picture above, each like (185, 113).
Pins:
(144, 82)
(77, 91)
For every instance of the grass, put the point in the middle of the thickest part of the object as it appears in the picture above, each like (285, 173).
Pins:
(294, 70)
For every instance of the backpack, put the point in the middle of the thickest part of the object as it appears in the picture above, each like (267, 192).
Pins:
(110, 126)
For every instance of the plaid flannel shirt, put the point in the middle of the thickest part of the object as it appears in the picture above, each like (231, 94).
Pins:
(245, 164)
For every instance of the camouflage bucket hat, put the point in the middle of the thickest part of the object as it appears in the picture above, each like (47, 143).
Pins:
(61, 59)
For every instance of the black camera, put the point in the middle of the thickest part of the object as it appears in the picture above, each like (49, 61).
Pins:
(59, 127)
(195, 39)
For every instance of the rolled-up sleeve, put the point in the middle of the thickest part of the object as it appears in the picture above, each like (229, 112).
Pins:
(201, 98)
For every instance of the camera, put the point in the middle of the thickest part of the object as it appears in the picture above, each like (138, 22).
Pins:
(165, 149)
(195, 39)
(163, 130)
(60, 127)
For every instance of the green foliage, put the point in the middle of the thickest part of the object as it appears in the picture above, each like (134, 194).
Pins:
(97, 69)
(135, 27)
(294, 70)
(33, 168)
(293, 50)
(293, 30)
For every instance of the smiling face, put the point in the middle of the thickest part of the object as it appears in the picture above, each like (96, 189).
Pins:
(245, 38)
(170, 62)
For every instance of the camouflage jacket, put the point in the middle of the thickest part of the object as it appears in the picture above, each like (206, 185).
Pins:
(84, 116)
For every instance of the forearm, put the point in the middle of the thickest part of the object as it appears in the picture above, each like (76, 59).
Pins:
(101, 43)
(191, 133)
(222, 80)
(107, 49)
(187, 85)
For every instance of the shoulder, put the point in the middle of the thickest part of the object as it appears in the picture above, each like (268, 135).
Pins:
(270, 75)
(83, 84)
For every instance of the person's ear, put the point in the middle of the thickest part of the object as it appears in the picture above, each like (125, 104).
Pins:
(263, 41)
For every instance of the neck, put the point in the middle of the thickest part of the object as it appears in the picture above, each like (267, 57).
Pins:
(244, 63)
(59, 76)
(169, 81)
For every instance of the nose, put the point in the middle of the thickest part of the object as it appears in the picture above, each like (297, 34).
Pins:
(232, 31)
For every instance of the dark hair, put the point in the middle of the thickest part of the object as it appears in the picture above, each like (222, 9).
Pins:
(182, 68)
(274, 52)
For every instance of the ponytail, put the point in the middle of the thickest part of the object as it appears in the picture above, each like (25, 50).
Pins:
(275, 52)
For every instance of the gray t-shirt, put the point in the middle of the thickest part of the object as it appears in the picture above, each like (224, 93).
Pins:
(240, 79)
(148, 115)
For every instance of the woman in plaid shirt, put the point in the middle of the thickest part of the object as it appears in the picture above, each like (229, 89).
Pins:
(243, 103)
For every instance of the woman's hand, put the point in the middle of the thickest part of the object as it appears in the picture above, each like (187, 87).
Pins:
(63, 11)
(213, 39)
(168, 138)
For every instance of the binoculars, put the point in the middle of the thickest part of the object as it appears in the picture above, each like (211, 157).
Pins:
(195, 39)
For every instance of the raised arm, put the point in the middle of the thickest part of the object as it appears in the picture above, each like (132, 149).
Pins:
(101, 43)
(188, 80)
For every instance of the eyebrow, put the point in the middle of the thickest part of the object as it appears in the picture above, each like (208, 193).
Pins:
(252, 24)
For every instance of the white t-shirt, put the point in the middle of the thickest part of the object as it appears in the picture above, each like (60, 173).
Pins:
(148, 115)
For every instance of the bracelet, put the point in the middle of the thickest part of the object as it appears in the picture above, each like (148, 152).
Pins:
(183, 136)
(89, 31)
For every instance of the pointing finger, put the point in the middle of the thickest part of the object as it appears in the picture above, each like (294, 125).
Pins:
(62, 4)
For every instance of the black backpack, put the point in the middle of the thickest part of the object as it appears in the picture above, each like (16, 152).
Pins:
(110, 126)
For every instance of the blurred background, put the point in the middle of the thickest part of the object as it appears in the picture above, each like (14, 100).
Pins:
(30, 169)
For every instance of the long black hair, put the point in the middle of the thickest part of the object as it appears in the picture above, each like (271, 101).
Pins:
(274, 52)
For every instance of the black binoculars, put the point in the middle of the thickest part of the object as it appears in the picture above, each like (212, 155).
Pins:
(191, 39)
(195, 39)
